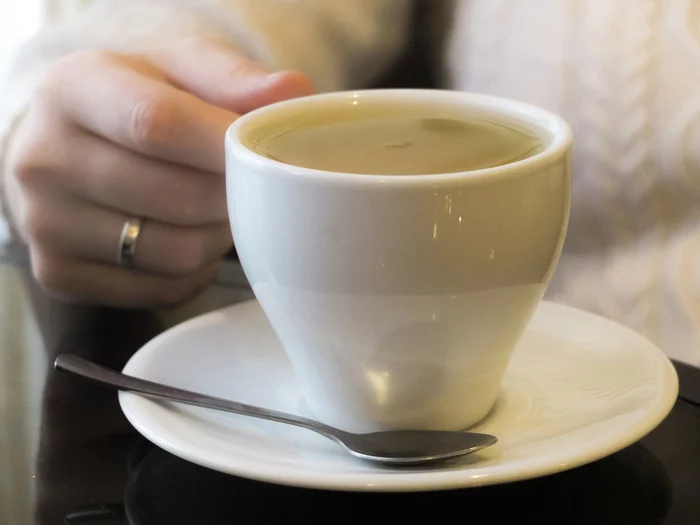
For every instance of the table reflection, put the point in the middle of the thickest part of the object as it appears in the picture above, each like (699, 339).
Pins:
(22, 374)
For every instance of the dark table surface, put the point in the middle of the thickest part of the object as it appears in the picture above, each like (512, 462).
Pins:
(68, 455)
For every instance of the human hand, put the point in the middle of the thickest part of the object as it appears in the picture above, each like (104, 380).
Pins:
(109, 137)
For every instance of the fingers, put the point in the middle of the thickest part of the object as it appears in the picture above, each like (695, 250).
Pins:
(82, 231)
(215, 72)
(138, 112)
(113, 177)
(111, 285)
(128, 101)
(76, 191)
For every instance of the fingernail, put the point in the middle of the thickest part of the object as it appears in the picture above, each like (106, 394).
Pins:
(273, 77)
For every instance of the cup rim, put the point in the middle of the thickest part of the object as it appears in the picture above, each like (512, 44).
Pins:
(538, 118)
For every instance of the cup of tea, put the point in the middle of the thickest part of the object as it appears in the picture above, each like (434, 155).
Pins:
(399, 242)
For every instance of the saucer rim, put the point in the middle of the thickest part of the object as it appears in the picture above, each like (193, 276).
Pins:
(137, 409)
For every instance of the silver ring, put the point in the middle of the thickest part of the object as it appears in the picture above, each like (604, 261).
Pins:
(127, 242)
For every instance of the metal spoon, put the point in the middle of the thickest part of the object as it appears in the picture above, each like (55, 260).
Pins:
(404, 447)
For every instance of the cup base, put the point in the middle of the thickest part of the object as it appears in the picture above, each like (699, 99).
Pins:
(442, 421)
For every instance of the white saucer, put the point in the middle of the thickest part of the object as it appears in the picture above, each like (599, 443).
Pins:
(578, 388)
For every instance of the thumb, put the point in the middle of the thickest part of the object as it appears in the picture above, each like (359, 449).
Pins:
(213, 71)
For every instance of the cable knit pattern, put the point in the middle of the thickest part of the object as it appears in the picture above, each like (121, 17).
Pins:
(681, 158)
(626, 75)
(623, 145)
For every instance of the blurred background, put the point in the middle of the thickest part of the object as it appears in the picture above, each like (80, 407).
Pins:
(20, 19)
(18, 22)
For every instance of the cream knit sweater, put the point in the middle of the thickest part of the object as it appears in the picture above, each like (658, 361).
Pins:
(624, 73)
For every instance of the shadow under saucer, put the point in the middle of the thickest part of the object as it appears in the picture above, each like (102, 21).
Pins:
(630, 486)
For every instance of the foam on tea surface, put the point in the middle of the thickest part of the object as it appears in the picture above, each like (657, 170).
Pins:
(393, 141)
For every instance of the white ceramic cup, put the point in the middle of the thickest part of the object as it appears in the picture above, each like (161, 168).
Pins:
(399, 299)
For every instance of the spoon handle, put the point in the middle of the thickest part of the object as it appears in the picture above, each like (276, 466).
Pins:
(74, 364)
